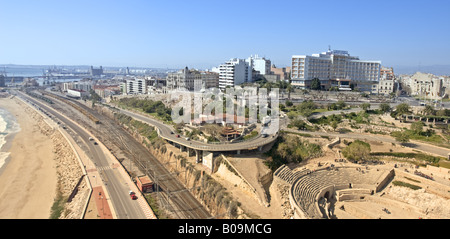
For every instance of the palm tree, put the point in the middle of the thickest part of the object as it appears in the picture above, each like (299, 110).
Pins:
(289, 89)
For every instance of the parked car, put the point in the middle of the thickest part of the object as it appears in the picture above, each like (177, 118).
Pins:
(178, 136)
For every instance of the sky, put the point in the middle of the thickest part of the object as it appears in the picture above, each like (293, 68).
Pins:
(205, 33)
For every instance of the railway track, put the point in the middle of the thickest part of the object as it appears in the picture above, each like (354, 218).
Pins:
(77, 107)
(175, 197)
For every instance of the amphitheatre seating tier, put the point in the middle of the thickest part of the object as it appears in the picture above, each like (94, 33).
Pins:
(289, 176)
(307, 188)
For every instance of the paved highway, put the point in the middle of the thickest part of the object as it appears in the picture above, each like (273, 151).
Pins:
(165, 132)
(173, 194)
(124, 207)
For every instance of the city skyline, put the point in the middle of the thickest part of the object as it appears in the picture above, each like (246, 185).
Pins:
(203, 34)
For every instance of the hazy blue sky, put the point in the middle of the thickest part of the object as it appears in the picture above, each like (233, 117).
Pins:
(203, 34)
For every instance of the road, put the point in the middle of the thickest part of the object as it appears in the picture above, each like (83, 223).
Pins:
(172, 193)
(124, 207)
(165, 132)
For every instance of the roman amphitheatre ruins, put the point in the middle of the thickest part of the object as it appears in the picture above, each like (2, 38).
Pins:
(338, 189)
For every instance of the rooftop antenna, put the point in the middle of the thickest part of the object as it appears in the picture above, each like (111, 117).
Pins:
(329, 48)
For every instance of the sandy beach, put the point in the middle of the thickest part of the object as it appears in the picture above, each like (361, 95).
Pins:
(28, 179)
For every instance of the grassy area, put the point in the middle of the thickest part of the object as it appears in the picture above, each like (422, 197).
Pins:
(58, 206)
(252, 135)
(408, 185)
(152, 202)
(444, 164)
(320, 110)
(144, 129)
(434, 138)
(299, 134)
(419, 156)
(410, 179)
(156, 109)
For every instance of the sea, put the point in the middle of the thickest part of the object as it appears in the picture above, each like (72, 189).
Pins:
(8, 127)
(35, 72)
(25, 71)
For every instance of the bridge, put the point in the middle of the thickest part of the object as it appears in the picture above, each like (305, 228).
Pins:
(202, 150)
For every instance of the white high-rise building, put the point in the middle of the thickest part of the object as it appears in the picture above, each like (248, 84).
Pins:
(234, 72)
(335, 68)
(136, 86)
(260, 64)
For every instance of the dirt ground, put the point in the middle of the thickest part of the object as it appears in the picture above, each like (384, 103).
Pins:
(252, 168)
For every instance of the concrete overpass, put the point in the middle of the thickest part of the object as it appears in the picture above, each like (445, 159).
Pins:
(202, 150)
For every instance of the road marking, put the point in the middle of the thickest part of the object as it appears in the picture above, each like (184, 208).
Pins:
(103, 168)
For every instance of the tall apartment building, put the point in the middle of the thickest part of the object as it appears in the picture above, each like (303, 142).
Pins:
(234, 72)
(136, 86)
(260, 64)
(335, 68)
(191, 80)
(81, 85)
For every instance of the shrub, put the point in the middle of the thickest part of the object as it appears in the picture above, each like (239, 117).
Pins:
(358, 150)
(291, 149)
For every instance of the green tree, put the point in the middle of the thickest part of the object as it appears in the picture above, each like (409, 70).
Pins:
(401, 136)
(443, 112)
(357, 150)
(429, 110)
(306, 108)
(417, 127)
(385, 108)
(315, 84)
(402, 108)
(289, 89)
(299, 124)
(334, 125)
(365, 106)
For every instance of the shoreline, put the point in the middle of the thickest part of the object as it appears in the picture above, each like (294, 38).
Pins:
(9, 138)
(6, 149)
(29, 172)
